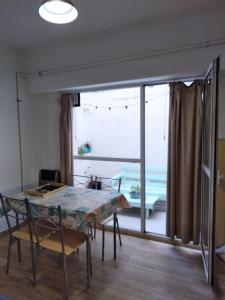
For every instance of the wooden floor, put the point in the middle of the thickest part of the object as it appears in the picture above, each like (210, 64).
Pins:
(143, 270)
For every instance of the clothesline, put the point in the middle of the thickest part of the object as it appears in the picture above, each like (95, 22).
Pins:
(109, 107)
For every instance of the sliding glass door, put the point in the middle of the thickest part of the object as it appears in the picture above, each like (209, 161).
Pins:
(156, 144)
(108, 122)
(122, 133)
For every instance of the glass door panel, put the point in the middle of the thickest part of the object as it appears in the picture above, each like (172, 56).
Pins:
(207, 119)
(106, 142)
(156, 147)
(209, 149)
(205, 218)
(109, 121)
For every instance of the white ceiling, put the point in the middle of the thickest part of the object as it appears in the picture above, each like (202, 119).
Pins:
(21, 26)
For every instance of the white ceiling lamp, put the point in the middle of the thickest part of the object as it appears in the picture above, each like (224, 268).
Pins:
(58, 11)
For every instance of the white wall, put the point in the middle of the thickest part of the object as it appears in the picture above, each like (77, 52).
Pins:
(130, 40)
(98, 59)
(9, 142)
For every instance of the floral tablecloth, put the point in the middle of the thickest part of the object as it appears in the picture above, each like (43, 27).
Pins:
(79, 205)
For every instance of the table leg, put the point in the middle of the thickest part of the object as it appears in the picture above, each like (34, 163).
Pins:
(114, 234)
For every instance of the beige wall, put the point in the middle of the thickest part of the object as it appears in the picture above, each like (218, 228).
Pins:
(9, 140)
(45, 115)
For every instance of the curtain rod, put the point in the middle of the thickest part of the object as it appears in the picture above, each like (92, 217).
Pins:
(183, 48)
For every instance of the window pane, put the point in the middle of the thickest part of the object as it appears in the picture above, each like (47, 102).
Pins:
(110, 122)
(156, 129)
(205, 215)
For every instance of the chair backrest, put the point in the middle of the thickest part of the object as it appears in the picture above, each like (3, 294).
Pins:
(49, 176)
(107, 184)
(98, 182)
(82, 180)
(45, 217)
(14, 209)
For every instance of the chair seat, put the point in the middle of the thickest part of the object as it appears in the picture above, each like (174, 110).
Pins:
(72, 240)
(109, 219)
(24, 234)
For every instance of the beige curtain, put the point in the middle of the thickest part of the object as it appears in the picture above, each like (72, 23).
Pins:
(184, 161)
(67, 102)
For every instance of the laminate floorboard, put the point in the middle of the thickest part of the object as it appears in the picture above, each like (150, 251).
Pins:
(144, 270)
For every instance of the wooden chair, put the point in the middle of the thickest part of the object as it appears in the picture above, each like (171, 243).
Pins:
(21, 230)
(82, 180)
(63, 242)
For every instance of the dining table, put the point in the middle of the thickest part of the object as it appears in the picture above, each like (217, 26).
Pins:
(80, 206)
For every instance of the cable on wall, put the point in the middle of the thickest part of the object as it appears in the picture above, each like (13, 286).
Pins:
(123, 106)
(18, 101)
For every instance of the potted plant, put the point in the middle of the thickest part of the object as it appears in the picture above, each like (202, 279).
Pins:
(135, 192)
(81, 151)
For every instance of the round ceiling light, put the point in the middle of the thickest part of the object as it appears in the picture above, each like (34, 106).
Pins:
(58, 11)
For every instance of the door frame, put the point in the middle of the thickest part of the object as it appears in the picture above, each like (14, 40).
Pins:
(211, 172)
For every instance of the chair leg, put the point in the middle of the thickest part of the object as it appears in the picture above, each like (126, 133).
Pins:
(33, 260)
(88, 262)
(90, 228)
(114, 234)
(103, 242)
(118, 230)
(65, 276)
(19, 250)
(90, 256)
(94, 230)
(60, 260)
(9, 255)
(37, 253)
